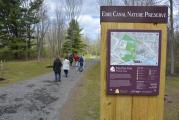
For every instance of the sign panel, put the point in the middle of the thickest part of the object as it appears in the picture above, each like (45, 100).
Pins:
(134, 14)
(133, 62)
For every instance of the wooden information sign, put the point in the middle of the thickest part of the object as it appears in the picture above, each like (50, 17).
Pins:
(133, 62)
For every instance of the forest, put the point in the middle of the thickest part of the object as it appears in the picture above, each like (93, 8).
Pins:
(27, 32)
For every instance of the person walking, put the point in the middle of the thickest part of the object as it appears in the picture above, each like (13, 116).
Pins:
(76, 58)
(66, 66)
(71, 59)
(81, 64)
(57, 64)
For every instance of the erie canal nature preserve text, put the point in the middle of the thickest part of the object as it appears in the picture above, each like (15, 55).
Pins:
(133, 14)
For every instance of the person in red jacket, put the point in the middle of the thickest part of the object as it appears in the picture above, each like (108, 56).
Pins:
(76, 58)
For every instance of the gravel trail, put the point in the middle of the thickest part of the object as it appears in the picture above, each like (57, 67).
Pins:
(39, 98)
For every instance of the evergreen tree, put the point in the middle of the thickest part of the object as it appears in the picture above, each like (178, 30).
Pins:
(73, 42)
(16, 23)
(11, 26)
(31, 18)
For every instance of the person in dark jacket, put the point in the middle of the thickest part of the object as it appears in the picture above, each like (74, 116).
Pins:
(81, 64)
(57, 64)
(71, 59)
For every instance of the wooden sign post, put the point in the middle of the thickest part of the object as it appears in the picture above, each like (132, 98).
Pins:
(133, 62)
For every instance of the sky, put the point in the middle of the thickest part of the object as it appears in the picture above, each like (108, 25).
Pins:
(89, 18)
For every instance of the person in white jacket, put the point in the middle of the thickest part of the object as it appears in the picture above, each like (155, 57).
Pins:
(66, 66)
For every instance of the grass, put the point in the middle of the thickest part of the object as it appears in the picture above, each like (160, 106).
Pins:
(88, 97)
(173, 82)
(172, 99)
(23, 70)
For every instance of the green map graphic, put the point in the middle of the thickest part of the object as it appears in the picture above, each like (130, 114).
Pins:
(131, 48)
(134, 48)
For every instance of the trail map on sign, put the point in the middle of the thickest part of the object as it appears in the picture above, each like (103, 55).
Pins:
(134, 48)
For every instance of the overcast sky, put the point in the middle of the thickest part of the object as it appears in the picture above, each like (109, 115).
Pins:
(89, 18)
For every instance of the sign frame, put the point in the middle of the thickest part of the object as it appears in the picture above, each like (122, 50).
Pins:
(125, 107)
(111, 90)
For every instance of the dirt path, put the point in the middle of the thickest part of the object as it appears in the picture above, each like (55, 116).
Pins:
(83, 103)
(39, 98)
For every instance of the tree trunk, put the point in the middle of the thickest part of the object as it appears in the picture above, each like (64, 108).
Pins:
(29, 47)
(40, 47)
(172, 69)
(28, 43)
(133, 2)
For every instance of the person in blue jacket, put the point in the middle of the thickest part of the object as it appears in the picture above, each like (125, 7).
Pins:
(81, 64)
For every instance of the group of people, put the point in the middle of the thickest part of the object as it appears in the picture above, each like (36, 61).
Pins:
(79, 62)
(65, 65)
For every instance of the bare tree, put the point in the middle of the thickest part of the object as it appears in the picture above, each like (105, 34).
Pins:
(60, 24)
(56, 32)
(73, 9)
(108, 2)
(51, 37)
(127, 2)
(41, 30)
(139, 2)
(105, 2)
